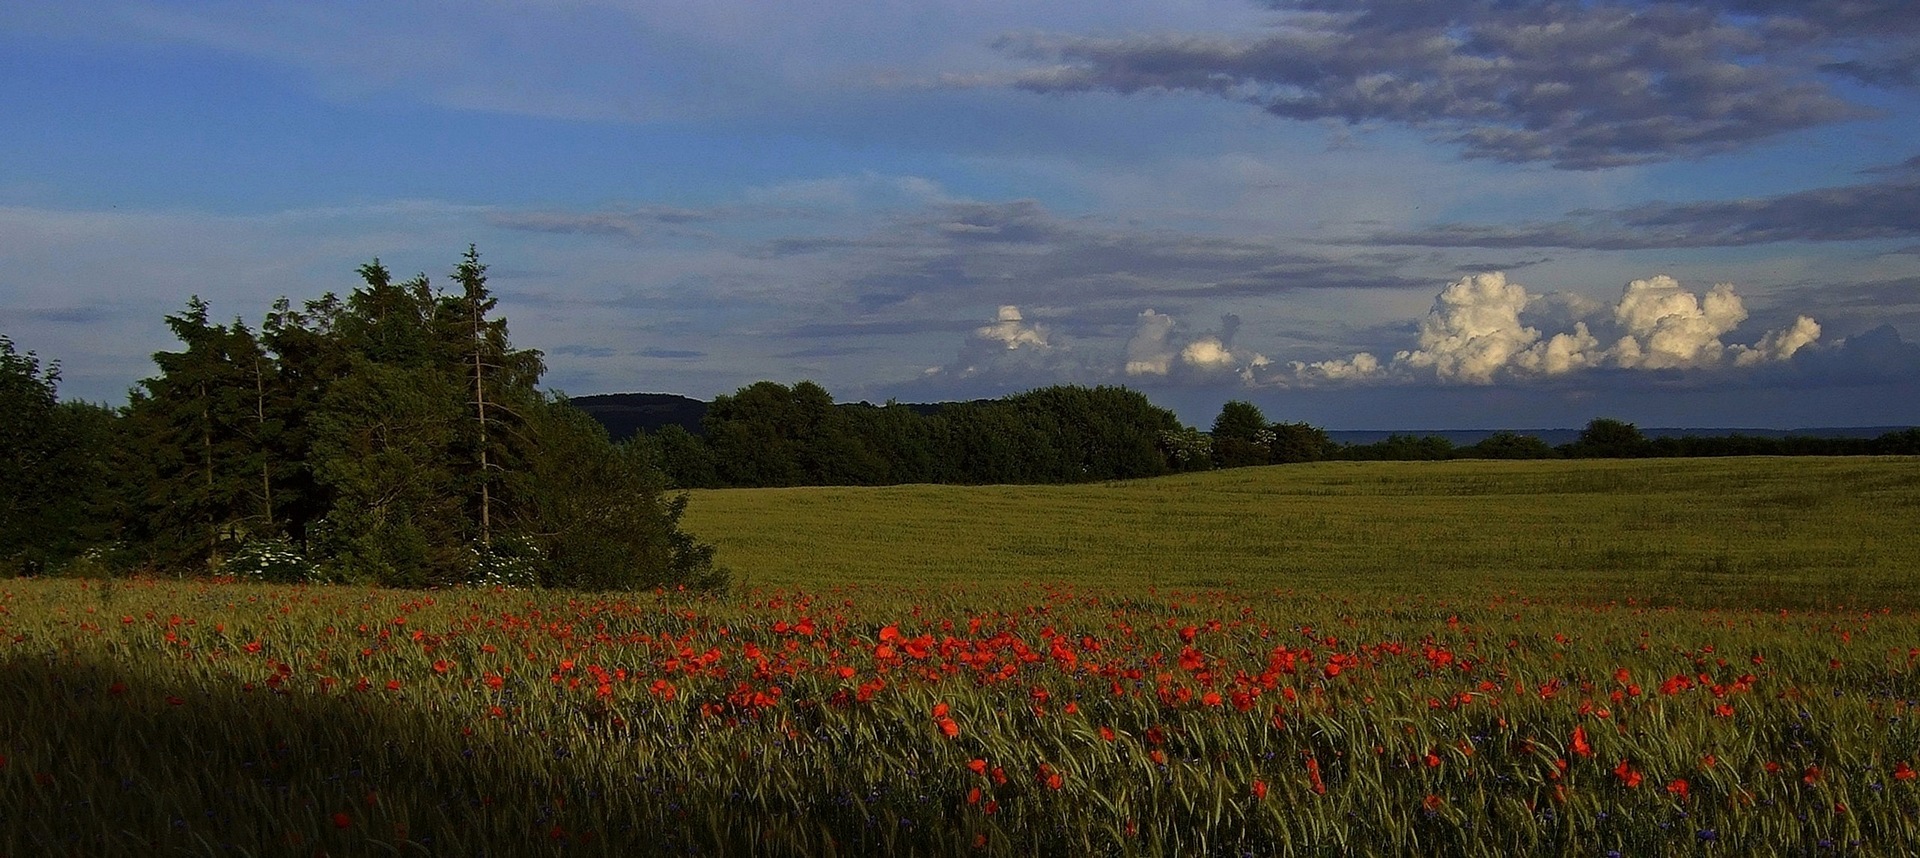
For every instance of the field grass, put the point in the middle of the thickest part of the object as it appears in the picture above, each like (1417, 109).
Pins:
(1476, 659)
(1784, 532)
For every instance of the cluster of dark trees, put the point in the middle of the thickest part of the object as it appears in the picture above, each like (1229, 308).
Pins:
(394, 436)
(1614, 439)
(769, 434)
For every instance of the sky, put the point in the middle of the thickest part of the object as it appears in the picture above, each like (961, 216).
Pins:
(1363, 214)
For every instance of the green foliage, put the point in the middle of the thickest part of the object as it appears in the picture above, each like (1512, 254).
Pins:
(1187, 449)
(1299, 442)
(393, 437)
(1399, 448)
(597, 516)
(381, 451)
(270, 560)
(1240, 436)
(1508, 445)
(54, 481)
(1609, 438)
(512, 562)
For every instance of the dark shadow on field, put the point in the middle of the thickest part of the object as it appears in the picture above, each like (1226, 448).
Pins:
(99, 760)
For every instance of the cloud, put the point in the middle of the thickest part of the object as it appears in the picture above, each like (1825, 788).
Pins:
(638, 224)
(670, 354)
(1012, 331)
(1578, 86)
(575, 350)
(1011, 351)
(1157, 349)
(1477, 334)
(1885, 209)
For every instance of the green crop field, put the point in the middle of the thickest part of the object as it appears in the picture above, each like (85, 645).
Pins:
(1469, 658)
(1783, 532)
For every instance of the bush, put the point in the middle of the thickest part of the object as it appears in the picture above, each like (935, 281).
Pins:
(513, 562)
(272, 560)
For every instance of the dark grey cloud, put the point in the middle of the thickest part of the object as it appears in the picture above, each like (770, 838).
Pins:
(574, 350)
(894, 327)
(963, 255)
(670, 354)
(1575, 85)
(63, 315)
(1884, 209)
(827, 351)
(639, 223)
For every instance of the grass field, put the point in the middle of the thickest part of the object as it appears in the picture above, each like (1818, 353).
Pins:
(1478, 659)
(1784, 532)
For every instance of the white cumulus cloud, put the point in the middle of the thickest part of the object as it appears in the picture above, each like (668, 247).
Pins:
(1012, 330)
(1478, 333)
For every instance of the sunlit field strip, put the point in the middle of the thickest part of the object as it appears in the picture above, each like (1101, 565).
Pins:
(1774, 532)
(243, 719)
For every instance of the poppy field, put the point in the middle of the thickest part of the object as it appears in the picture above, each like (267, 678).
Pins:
(1086, 713)
(228, 718)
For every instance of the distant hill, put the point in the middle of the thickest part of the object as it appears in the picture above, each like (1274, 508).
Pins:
(1556, 437)
(627, 413)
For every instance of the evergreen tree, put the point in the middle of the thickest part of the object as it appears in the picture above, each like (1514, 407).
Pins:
(30, 446)
(198, 495)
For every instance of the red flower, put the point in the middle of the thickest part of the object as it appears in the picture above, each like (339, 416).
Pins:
(341, 820)
(1259, 789)
(978, 766)
(1580, 745)
(1811, 775)
(1313, 776)
(1432, 802)
(1628, 775)
(1678, 786)
(1901, 772)
(973, 796)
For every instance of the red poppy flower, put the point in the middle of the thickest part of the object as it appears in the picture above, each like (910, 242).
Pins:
(341, 820)
(1628, 775)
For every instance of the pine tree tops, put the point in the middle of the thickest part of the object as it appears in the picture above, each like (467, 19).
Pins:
(395, 435)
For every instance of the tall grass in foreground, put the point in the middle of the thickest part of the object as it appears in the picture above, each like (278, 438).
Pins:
(1786, 532)
(219, 718)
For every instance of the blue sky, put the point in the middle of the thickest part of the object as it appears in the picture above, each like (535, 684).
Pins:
(1363, 214)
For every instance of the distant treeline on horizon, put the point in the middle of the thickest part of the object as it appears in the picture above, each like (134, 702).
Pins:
(770, 434)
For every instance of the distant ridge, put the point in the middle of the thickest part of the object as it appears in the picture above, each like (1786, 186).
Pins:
(1556, 437)
(625, 414)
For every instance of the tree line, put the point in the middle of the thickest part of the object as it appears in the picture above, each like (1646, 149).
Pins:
(769, 434)
(393, 436)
